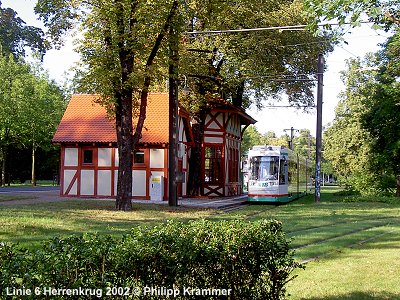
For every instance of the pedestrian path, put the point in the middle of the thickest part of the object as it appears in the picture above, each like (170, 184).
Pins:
(52, 194)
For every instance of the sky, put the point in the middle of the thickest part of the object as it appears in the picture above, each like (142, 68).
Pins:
(360, 41)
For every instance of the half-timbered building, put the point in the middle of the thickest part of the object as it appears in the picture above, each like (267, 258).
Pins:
(223, 130)
(89, 154)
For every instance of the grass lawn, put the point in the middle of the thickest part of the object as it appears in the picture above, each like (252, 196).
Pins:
(352, 248)
(30, 225)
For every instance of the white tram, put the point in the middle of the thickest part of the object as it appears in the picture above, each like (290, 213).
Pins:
(276, 174)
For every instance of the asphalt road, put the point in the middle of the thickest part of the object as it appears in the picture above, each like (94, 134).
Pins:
(28, 189)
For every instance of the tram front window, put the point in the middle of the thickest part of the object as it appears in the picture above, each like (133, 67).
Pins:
(264, 168)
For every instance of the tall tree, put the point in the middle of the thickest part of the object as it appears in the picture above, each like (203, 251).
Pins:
(12, 75)
(30, 109)
(42, 106)
(247, 67)
(348, 145)
(303, 143)
(15, 35)
(382, 119)
(121, 39)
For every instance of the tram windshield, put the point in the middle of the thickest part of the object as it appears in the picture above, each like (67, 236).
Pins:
(264, 168)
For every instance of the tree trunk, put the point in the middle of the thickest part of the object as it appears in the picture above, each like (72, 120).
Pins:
(237, 96)
(33, 180)
(126, 139)
(195, 161)
(3, 165)
(398, 186)
(125, 152)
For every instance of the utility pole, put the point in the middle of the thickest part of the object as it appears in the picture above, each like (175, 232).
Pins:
(173, 118)
(318, 150)
(292, 130)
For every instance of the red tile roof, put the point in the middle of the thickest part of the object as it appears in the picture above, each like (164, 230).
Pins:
(85, 121)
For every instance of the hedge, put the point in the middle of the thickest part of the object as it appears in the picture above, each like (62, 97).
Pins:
(194, 260)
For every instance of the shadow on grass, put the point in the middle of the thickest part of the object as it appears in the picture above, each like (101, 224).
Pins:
(359, 296)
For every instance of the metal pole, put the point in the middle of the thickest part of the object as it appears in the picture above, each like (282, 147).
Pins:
(318, 150)
(173, 118)
(292, 130)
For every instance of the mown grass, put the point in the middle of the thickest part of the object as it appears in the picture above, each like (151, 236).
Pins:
(351, 247)
(31, 225)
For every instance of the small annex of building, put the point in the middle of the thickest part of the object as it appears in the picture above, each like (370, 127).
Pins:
(89, 154)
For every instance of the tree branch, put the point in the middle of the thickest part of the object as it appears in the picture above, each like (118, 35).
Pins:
(147, 80)
(392, 18)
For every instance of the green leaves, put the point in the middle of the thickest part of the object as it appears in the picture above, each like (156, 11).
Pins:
(15, 35)
(363, 142)
(31, 107)
(253, 259)
(382, 13)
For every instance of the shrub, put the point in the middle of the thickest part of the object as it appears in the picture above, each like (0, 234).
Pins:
(242, 260)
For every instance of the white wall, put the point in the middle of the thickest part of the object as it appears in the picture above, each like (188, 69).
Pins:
(87, 182)
(139, 183)
(104, 183)
(156, 158)
(104, 157)
(68, 176)
(71, 157)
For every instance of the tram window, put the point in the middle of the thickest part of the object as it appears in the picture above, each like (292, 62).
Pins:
(264, 168)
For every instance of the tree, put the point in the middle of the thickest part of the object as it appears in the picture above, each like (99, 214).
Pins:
(30, 109)
(42, 106)
(12, 75)
(348, 146)
(121, 39)
(382, 13)
(382, 119)
(15, 35)
(251, 137)
(247, 67)
(363, 142)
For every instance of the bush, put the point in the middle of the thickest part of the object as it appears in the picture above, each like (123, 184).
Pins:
(195, 260)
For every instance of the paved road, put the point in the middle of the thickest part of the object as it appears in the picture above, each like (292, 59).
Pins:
(27, 189)
(52, 194)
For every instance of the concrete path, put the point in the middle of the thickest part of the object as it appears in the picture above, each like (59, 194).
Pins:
(52, 194)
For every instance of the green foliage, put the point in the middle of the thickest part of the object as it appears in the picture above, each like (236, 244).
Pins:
(252, 259)
(347, 145)
(363, 142)
(382, 119)
(31, 107)
(15, 35)
(249, 67)
(382, 13)
(350, 196)
(302, 143)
